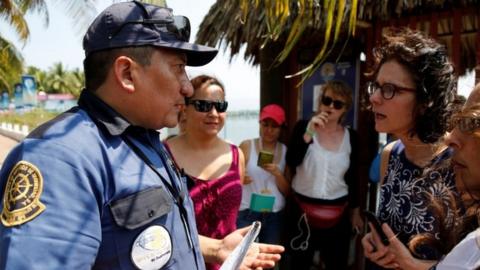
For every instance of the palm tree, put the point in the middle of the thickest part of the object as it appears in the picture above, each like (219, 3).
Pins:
(13, 12)
(11, 64)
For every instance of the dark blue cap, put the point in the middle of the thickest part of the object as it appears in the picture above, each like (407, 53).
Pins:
(130, 24)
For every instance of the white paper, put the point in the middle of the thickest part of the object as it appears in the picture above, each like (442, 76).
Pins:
(234, 260)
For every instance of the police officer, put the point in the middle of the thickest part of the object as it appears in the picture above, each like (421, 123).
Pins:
(94, 187)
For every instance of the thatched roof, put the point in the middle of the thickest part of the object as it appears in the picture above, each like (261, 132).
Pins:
(225, 24)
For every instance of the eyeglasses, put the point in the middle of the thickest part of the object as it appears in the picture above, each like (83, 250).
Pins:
(387, 90)
(179, 26)
(337, 104)
(207, 105)
(465, 124)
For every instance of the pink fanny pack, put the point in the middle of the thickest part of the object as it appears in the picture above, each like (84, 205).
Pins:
(321, 216)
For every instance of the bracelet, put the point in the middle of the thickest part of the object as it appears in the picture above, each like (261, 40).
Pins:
(310, 132)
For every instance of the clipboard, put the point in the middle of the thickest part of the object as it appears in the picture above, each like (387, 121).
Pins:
(235, 259)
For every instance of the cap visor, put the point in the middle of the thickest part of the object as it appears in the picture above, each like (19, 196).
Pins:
(197, 55)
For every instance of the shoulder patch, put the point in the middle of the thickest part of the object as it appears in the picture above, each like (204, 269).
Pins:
(21, 200)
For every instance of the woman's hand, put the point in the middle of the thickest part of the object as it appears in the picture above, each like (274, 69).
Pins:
(357, 220)
(272, 168)
(247, 179)
(402, 255)
(317, 122)
(396, 255)
(376, 251)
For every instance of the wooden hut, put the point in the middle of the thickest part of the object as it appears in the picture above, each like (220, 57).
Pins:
(454, 23)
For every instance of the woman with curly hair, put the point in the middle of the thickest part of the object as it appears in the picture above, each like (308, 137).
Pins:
(464, 237)
(414, 85)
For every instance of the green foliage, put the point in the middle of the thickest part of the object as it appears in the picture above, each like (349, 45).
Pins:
(11, 65)
(11, 61)
(58, 80)
(32, 119)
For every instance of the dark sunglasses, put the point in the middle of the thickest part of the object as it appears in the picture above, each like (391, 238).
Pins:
(207, 105)
(465, 124)
(337, 104)
(387, 90)
(179, 26)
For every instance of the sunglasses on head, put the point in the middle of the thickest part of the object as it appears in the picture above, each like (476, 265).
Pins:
(179, 26)
(337, 104)
(207, 105)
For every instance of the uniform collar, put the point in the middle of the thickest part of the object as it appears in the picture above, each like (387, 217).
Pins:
(102, 113)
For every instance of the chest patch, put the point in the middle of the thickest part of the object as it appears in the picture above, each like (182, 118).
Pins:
(21, 200)
(152, 249)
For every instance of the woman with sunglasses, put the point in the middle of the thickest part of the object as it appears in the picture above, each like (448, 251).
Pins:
(414, 85)
(322, 158)
(461, 229)
(214, 168)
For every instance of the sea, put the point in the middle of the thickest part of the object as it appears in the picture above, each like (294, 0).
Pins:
(239, 128)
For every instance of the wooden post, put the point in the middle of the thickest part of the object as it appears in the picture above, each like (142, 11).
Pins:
(477, 67)
(434, 25)
(456, 39)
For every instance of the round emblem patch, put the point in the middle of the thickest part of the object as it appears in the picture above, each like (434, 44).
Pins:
(21, 200)
(152, 249)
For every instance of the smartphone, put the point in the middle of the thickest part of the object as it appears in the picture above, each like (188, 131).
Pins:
(264, 157)
(372, 218)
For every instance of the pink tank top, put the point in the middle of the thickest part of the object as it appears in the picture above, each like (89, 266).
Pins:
(217, 201)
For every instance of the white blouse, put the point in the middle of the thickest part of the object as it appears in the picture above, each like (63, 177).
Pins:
(321, 175)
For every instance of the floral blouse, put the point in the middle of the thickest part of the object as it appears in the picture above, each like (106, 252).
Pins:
(405, 196)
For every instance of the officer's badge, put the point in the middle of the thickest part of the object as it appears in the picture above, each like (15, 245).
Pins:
(21, 200)
(152, 249)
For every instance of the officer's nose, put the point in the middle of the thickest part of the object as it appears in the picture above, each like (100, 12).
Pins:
(186, 88)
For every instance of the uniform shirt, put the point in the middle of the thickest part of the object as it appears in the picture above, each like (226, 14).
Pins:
(90, 198)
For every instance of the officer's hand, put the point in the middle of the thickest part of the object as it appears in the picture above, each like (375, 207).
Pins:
(259, 255)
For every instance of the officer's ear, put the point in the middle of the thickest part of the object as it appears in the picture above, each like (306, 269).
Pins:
(123, 68)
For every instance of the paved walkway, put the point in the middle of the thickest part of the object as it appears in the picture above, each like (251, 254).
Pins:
(6, 144)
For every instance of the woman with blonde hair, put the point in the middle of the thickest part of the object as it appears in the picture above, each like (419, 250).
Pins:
(322, 156)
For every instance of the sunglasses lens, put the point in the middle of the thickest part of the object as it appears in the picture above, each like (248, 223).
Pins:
(327, 101)
(180, 27)
(337, 104)
(206, 105)
(221, 106)
(201, 105)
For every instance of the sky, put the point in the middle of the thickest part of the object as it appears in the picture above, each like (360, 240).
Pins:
(61, 41)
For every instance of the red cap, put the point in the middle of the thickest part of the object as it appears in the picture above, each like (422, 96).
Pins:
(274, 112)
